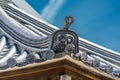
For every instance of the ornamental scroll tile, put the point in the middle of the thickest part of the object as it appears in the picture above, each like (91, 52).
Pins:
(65, 40)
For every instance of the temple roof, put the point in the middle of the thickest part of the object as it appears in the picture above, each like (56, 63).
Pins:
(56, 66)
(25, 41)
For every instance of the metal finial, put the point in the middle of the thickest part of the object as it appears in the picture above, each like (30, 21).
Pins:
(69, 20)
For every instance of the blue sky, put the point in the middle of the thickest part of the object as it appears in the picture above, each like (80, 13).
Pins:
(95, 20)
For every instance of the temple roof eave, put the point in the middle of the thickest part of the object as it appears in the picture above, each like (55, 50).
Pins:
(64, 64)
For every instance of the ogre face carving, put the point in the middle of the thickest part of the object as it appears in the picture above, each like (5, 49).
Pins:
(64, 38)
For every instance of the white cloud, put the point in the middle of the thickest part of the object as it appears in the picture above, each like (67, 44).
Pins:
(51, 9)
